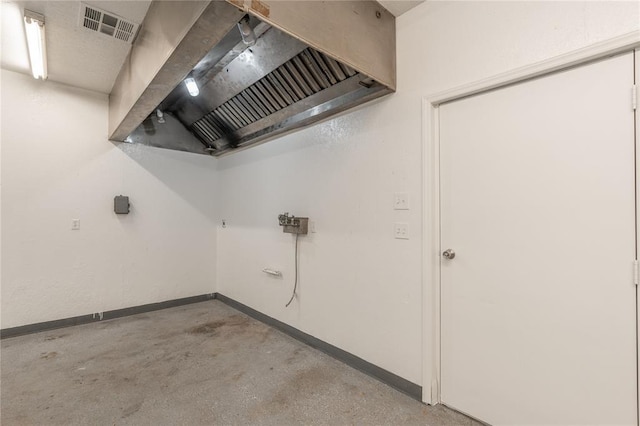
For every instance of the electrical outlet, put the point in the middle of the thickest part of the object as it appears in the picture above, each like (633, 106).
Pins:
(401, 231)
(75, 224)
(401, 201)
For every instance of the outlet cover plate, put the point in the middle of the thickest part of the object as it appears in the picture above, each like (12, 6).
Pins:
(401, 231)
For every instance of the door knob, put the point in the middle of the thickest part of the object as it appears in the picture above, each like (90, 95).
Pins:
(448, 254)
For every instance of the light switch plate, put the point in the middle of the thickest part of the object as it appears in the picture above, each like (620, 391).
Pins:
(75, 224)
(401, 201)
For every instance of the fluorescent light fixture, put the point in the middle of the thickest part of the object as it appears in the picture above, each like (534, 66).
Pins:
(192, 86)
(160, 116)
(34, 27)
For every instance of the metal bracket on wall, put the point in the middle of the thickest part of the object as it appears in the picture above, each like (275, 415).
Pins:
(293, 225)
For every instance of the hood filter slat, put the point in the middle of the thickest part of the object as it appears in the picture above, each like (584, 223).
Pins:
(304, 75)
(255, 104)
(239, 112)
(281, 91)
(257, 97)
(215, 127)
(313, 67)
(248, 114)
(350, 72)
(279, 102)
(302, 81)
(287, 85)
(299, 93)
(267, 96)
(335, 68)
(323, 66)
(229, 117)
(203, 131)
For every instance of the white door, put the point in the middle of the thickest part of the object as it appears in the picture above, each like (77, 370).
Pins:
(637, 114)
(538, 203)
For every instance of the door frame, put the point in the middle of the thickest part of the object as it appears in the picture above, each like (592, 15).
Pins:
(431, 367)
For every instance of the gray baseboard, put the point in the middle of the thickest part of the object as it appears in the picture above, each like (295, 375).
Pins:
(393, 380)
(387, 377)
(86, 319)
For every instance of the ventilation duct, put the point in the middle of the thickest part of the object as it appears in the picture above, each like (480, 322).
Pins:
(107, 23)
(309, 60)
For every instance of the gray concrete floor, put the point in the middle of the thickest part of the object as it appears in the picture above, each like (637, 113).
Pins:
(199, 364)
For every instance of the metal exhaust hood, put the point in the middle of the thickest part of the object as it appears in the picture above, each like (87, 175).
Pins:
(309, 60)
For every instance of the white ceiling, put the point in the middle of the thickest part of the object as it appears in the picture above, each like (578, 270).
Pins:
(77, 56)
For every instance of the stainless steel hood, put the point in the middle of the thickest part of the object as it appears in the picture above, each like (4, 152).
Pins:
(311, 60)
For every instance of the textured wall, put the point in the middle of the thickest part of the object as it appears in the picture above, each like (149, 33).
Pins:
(360, 288)
(57, 165)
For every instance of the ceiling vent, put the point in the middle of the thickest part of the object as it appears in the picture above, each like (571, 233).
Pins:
(107, 23)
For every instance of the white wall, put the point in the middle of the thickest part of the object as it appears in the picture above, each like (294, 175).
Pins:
(360, 289)
(57, 165)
